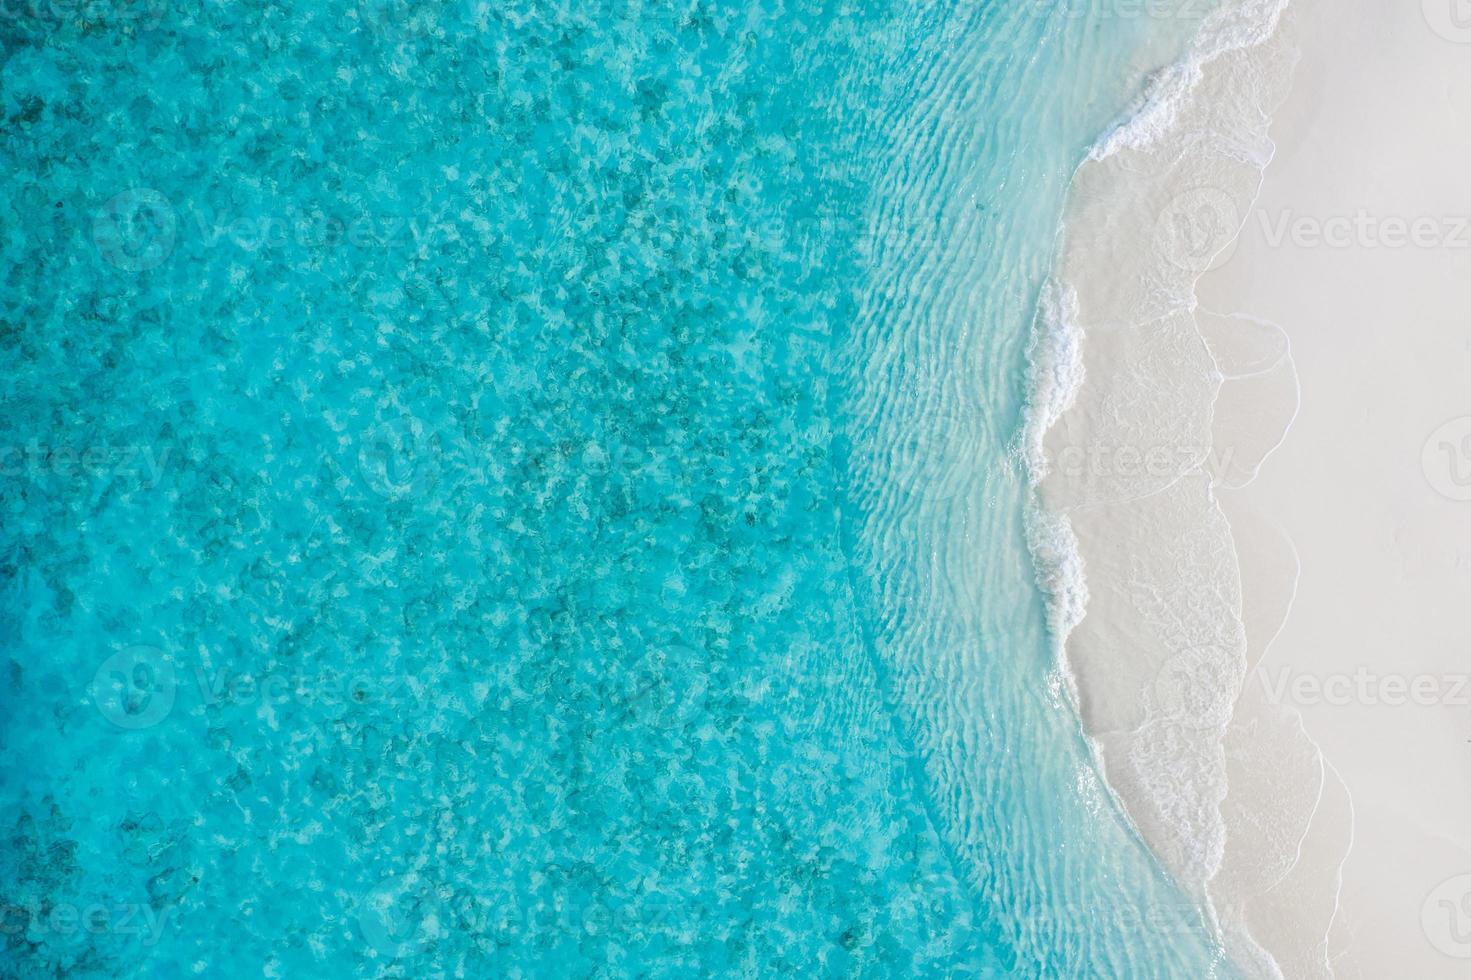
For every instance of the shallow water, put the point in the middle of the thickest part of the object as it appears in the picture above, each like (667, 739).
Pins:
(531, 490)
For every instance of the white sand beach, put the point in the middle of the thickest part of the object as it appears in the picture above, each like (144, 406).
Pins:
(1266, 464)
(1376, 137)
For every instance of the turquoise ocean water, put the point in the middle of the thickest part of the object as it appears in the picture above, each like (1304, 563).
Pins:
(528, 489)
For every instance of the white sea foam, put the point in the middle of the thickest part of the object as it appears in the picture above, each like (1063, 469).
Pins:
(1154, 117)
(1055, 362)
(1170, 581)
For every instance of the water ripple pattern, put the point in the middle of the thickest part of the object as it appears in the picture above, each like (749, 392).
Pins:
(525, 489)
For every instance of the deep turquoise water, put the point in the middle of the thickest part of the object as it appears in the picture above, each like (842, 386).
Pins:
(526, 489)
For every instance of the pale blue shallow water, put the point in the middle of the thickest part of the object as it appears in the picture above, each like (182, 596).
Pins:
(527, 490)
